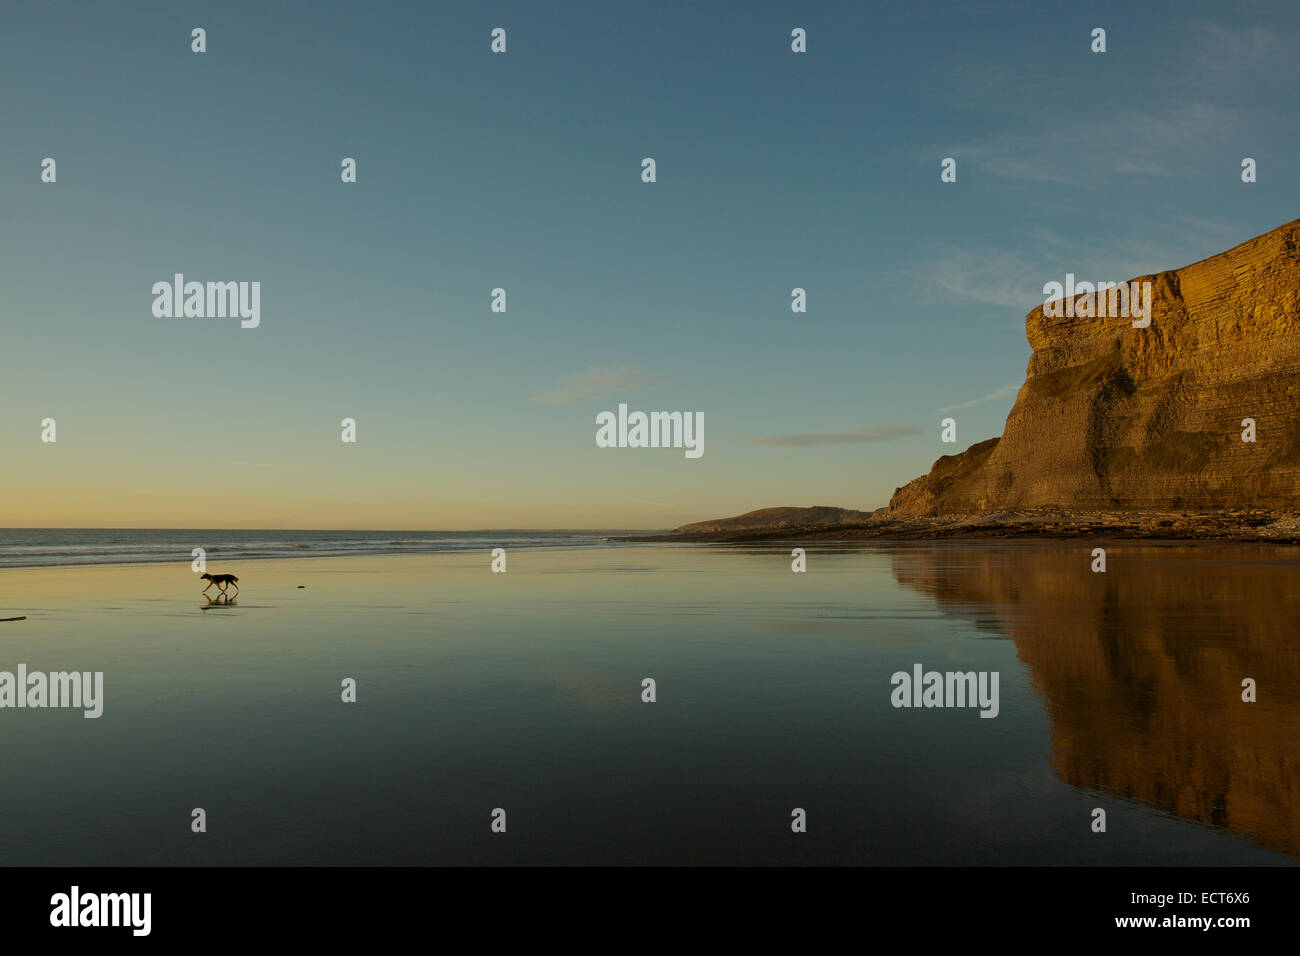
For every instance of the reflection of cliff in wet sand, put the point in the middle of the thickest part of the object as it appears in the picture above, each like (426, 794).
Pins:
(1141, 669)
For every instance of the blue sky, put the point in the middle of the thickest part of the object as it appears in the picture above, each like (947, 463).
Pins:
(522, 171)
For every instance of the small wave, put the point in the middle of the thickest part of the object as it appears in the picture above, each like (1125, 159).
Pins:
(27, 548)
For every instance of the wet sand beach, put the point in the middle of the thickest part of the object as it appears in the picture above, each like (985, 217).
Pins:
(523, 691)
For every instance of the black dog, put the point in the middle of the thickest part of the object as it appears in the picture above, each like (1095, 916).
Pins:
(222, 581)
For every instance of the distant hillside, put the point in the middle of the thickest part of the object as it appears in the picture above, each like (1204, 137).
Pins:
(817, 516)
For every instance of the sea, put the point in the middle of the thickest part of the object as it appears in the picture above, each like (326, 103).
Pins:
(70, 547)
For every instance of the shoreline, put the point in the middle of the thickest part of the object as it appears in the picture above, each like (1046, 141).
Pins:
(187, 559)
(1229, 527)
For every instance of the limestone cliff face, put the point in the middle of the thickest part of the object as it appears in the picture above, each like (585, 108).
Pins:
(1116, 417)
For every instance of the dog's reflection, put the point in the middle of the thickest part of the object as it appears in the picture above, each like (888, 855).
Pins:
(221, 600)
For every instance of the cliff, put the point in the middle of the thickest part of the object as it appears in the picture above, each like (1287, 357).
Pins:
(1116, 418)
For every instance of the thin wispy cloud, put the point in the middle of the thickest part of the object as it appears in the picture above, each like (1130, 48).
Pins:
(1208, 97)
(1219, 60)
(598, 382)
(951, 275)
(869, 433)
(1096, 150)
(1226, 55)
(998, 277)
(992, 396)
